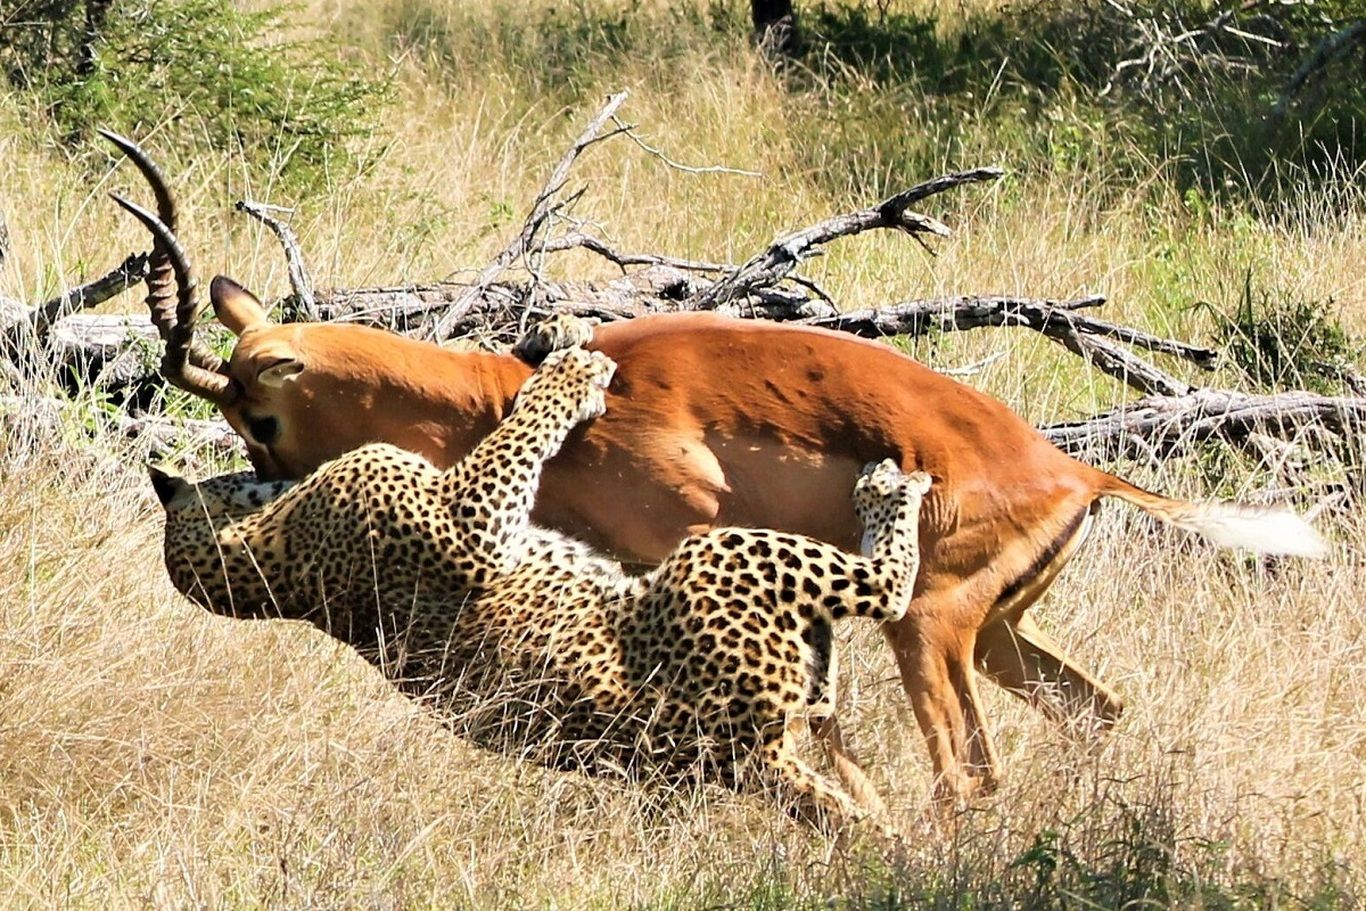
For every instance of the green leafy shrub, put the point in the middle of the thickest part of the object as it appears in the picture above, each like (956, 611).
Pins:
(202, 70)
(1284, 342)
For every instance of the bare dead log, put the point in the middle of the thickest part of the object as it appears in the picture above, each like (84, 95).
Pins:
(305, 304)
(1112, 360)
(31, 340)
(536, 221)
(777, 262)
(502, 308)
(37, 414)
(127, 274)
(1168, 426)
(106, 350)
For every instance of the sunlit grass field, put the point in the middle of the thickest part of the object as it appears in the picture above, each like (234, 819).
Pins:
(153, 756)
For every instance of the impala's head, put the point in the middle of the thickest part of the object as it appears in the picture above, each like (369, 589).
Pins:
(264, 389)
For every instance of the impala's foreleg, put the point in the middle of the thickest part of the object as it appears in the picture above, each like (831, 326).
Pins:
(810, 796)
(491, 491)
(935, 654)
(826, 729)
(935, 658)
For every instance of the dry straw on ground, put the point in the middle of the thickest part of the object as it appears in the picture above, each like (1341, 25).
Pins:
(150, 752)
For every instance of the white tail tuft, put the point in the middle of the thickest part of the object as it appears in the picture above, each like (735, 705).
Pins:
(1267, 530)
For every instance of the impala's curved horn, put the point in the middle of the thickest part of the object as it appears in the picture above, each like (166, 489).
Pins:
(160, 280)
(161, 295)
(178, 364)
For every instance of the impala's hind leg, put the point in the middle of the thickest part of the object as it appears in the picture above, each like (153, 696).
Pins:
(1023, 659)
(982, 760)
(1014, 652)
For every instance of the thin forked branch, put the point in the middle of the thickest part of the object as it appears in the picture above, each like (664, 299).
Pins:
(305, 304)
(782, 256)
(538, 218)
(632, 134)
(582, 240)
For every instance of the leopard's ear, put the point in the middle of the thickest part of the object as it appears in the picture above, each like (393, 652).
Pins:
(166, 484)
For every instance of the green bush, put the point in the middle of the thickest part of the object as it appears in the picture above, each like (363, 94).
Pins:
(1284, 342)
(201, 70)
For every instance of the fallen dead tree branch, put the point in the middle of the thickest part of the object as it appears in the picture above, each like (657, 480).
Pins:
(37, 322)
(1085, 336)
(305, 305)
(1168, 426)
(781, 257)
(36, 414)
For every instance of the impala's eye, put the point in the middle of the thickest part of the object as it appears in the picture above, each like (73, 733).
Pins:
(264, 430)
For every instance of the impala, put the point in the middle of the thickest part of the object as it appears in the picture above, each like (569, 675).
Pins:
(715, 421)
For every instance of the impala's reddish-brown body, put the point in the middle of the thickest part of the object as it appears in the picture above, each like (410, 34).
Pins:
(710, 420)
(718, 421)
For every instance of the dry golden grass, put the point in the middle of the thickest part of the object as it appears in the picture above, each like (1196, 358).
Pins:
(151, 755)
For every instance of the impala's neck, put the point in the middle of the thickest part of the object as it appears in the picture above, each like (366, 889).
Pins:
(446, 404)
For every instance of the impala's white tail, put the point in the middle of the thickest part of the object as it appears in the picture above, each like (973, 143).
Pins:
(1265, 529)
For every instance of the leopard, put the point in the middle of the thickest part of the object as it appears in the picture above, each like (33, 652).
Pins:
(538, 643)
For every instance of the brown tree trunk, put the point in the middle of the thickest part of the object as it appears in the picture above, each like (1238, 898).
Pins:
(96, 12)
(775, 25)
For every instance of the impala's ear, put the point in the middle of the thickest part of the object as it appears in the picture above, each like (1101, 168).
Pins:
(280, 372)
(235, 306)
(270, 357)
(167, 485)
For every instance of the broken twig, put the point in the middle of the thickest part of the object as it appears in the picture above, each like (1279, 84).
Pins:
(775, 263)
(305, 304)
